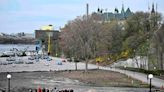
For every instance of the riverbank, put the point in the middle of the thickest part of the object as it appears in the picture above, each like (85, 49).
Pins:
(9, 40)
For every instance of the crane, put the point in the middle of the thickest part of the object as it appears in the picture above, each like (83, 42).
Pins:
(48, 28)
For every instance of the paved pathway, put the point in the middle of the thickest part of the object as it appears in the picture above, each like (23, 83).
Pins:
(140, 76)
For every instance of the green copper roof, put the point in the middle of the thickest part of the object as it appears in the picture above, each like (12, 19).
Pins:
(121, 16)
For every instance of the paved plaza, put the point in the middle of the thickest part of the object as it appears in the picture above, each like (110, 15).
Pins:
(42, 65)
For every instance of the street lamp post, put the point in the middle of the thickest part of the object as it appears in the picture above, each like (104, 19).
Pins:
(125, 68)
(150, 76)
(8, 77)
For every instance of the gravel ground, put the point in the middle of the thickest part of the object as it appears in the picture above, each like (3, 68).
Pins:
(103, 78)
(21, 82)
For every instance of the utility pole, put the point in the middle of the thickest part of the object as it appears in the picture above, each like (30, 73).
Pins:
(86, 60)
(87, 9)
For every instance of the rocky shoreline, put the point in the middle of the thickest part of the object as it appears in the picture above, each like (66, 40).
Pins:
(9, 40)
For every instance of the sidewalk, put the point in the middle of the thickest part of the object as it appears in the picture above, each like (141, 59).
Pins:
(140, 76)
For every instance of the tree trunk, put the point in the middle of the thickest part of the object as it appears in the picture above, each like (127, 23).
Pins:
(161, 61)
(158, 57)
(86, 65)
(145, 62)
(136, 62)
(76, 66)
(160, 65)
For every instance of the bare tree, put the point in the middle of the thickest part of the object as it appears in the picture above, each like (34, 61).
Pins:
(80, 38)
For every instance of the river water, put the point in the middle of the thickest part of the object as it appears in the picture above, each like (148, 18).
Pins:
(8, 47)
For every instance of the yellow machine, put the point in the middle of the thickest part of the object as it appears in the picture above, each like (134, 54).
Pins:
(49, 43)
(48, 28)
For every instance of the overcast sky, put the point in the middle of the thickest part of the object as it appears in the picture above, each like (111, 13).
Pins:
(29, 15)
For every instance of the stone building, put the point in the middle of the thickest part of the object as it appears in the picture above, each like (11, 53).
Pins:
(122, 15)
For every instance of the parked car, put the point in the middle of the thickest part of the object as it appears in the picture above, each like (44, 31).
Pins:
(29, 62)
(4, 63)
(18, 62)
(49, 59)
(69, 59)
(10, 59)
(31, 58)
(9, 62)
(45, 57)
(59, 62)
